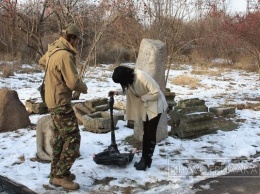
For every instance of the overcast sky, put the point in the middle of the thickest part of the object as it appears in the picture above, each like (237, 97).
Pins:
(238, 5)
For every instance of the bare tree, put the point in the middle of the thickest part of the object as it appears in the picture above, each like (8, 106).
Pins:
(35, 19)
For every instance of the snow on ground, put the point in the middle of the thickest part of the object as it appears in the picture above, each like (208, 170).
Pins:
(177, 163)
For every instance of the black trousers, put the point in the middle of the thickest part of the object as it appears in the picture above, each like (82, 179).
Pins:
(149, 137)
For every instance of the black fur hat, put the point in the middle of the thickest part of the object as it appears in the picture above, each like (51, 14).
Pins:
(124, 76)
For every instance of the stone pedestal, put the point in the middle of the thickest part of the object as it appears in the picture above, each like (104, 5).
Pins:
(152, 58)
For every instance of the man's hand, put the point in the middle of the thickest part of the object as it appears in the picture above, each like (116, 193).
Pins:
(75, 95)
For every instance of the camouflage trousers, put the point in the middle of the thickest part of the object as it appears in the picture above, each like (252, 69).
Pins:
(66, 141)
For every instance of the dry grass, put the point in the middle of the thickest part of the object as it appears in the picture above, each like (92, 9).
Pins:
(7, 71)
(210, 69)
(209, 72)
(246, 63)
(176, 67)
(193, 83)
(113, 66)
(246, 67)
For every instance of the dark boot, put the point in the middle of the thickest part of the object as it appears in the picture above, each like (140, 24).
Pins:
(139, 163)
(143, 163)
(146, 159)
(149, 142)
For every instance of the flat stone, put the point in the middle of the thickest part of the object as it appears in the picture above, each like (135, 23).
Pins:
(97, 102)
(187, 110)
(33, 106)
(197, 117)
(190, 103)
(222, 111)
(98, 122)
(186, 130)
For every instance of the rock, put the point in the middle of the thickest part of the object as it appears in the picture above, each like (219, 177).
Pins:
(13, 114)
(81, 109)
(44, 134)
(33, 106)
(96, 102)
(88, 107)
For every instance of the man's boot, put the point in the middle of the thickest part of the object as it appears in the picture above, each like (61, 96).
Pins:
(71, 177)
(66, 183)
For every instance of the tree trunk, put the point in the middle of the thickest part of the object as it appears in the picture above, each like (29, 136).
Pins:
(258, 63)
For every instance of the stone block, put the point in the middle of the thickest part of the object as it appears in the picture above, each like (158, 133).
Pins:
(188, 110)
(222, 111)
(33, 106)
(104, 107)
(191, 125)
(197, 117)
(190, 103)
(89, 107)
(98, 122)
(96, 102)
(187, 130)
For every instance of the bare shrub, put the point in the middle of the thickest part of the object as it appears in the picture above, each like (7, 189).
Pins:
(112, 54)
(247, 63)
(197, 57)
(246, 67)
(193, 83)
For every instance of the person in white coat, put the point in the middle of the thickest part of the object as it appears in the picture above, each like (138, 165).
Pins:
(144, 100)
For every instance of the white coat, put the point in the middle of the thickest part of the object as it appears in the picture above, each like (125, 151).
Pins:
(144, 97)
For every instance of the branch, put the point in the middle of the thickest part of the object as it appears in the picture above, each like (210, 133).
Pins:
(168, 69)
(3, 42)
(99, 35)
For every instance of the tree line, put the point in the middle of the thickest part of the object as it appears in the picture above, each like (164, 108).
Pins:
(195, 31)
